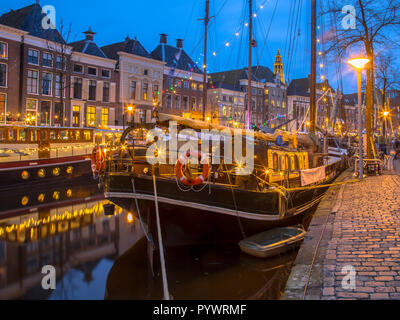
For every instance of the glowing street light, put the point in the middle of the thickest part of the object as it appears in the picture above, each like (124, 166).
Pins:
(359, 65)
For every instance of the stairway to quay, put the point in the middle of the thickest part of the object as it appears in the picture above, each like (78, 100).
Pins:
(352, 249)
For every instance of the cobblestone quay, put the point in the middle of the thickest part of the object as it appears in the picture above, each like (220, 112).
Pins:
(355, 228)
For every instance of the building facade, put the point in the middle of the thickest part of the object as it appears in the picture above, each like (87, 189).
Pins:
(226, 105)
(10, 68)
(182, 81)
(140, 80)
(93, 85)
(43, 73)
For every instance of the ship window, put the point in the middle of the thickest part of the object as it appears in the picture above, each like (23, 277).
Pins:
(296, 163)
(22, 135)
(63, 135)
(33, 135)
(275, 161)
(52, 135)
(12, 135)
(3, 135)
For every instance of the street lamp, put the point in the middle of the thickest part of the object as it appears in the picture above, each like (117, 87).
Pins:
(385, 116)
(129, 108)
(359, 65)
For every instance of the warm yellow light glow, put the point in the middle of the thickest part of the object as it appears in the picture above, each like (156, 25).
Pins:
(358, 63)
(130, 108)
(308, 123)
(385, 113)
(129, 218)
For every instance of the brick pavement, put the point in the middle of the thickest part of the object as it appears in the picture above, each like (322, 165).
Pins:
(365, 235)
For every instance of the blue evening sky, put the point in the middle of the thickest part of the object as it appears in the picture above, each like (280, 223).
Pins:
(114, 20)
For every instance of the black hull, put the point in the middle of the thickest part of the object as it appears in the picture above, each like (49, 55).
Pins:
(12, 177)
(210, 215)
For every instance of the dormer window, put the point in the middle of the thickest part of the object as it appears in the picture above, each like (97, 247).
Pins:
(145, 72)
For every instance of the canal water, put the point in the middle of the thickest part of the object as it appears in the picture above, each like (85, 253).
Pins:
(107, 257)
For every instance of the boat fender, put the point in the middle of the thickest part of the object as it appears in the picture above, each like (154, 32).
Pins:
(192, 181)
(98, 160)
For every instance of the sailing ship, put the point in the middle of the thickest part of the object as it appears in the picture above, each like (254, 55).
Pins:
(211, 201)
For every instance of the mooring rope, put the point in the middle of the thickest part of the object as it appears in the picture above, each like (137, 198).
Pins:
(160, 242)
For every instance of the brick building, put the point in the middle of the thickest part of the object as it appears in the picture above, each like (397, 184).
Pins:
(182, 81)
(269, 102)
(10, 46)
(37, 74)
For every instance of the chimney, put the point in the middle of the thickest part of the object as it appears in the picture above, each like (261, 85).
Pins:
(163, 38)
(179, 43)
(89, 34)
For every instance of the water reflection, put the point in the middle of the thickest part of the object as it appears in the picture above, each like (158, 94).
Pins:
(99, 257)
(66, 229)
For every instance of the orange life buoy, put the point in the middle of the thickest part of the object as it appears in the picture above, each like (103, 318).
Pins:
(192, 181)
(98, 159)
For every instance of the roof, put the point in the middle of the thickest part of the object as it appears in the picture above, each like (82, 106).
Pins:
(301, 87)
(132, 46)
(176, 58)
(233, 77)
(29, 19)
(88, 47)
(223, 85)
(352, 99)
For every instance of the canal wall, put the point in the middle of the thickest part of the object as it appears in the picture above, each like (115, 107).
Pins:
(351, 250)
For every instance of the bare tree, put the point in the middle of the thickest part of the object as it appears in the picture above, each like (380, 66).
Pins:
(375, 29)
(62, 53)
(386, 74)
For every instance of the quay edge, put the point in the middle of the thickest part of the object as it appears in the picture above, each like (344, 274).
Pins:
(298, 277)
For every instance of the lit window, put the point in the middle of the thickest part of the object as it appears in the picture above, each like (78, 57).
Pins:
(3, 50)
(91, 116)
(104, 117)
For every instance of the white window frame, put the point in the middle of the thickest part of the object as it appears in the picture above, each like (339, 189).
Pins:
(38, 57)
(52, 59)
(166, 101)
(178, 98)
(37, 82)
(6, 49)
(5, 86)
(62, 85)
(51, 83)
(109, 73)
(92, 75)
(73, 69)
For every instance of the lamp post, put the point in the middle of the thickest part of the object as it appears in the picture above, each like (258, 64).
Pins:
(385, 115)
(129, 108)
(359, 65)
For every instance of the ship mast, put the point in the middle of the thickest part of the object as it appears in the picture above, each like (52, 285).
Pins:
(249, 99)
(206, 21)
(313, 78)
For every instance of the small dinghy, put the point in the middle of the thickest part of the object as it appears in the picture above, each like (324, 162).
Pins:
(272, 242)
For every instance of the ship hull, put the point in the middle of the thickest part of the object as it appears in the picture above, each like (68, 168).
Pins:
(22, 173)
(216, 213)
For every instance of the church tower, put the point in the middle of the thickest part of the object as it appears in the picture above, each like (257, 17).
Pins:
(278, 67)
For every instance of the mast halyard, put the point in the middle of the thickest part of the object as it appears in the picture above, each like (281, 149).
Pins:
(249, 98)
(313, 78)
(206, 21)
